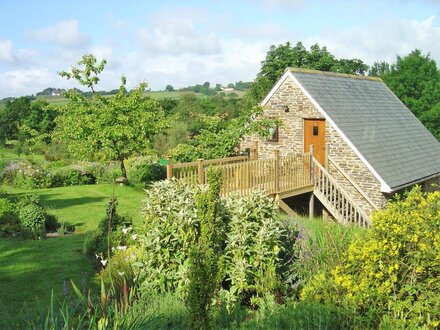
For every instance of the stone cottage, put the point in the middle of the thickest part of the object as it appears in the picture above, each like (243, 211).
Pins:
(367, 139)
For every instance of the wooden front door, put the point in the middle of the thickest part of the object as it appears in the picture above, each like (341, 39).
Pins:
(314, 133)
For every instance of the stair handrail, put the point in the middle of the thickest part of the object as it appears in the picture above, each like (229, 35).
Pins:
(343, 191)
(349, 179)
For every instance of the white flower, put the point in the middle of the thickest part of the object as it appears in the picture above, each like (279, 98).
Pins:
(121, 273)
(124, 231)
(103, 262)
(122, 247)
(134, 237)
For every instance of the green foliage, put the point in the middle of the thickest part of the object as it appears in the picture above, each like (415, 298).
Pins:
(109, 235)
(415, 79)
(219, 138)
(145, 170)
(26, 121)
(280, 57)
(120, 273)
(116, 127)
(9, 222)
(89, 75)
(252, 253)
(33, 218)
(252, 260)
(170, 230)
(391, 275)
(31, 175)
(317, 246)
(206, 255)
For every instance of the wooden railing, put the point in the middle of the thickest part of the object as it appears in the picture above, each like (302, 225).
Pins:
(275, 175)
(337, 201)
(194, 172)
(353, 183)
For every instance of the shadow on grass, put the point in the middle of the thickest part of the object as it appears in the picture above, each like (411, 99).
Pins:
(50, 199)
(30, 270)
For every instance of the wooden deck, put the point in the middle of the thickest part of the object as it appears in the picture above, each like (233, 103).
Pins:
(280, 177)
(283, 176)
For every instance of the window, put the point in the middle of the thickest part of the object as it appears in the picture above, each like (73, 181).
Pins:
(315, 131)
(273, 134)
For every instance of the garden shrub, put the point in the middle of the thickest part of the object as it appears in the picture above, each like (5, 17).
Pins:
(392, 275)
(9, 222)
(254, 242)
(110, 233)
(33, 218)
(254, 236)
(205, 257)
(120, 269)
(170, 230)
(147, 173)
(313, 246)
(26, 175)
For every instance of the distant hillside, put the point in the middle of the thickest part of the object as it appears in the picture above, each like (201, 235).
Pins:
(51, 92)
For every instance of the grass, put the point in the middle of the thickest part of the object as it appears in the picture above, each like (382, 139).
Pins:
(31, 269)
(9, 154)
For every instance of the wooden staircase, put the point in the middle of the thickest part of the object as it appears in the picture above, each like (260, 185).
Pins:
(335, 199)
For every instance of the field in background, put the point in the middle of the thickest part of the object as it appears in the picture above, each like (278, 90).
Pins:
(56, 100)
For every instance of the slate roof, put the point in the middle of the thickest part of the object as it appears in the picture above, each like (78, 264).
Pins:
(385, 132)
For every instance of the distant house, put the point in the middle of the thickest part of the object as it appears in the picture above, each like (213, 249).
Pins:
(227, 89)
(367, 139)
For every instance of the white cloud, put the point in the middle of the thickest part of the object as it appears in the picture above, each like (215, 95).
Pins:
(64, 34)
(21, 82)
(174, 32)
(284, 4)
(7, 55)
(383, 40)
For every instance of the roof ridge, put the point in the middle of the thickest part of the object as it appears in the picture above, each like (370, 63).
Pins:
(333, 74)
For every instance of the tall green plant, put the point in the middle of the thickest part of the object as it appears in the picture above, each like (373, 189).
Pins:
(206, 254)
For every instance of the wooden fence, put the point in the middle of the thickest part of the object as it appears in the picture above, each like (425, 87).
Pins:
(275, 175)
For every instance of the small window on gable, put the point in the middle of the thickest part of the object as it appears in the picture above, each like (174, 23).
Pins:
(315, 130)
(273, 134)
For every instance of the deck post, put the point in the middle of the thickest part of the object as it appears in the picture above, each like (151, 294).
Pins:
(200, 172)
(326, 151)
(170, 168)
(311, 205)
(255, 155)
(312, 165)
(277, 170)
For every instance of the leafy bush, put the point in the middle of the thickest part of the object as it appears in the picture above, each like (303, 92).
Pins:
(205, 257)
(33, 218)
(26, 175)
(75, 177)
(110, 233)
(254, 243)
(146, 173)
(315, 246)
(172, 224)
(122, 272)
(170, 230)
(9, 222)
(392, 274)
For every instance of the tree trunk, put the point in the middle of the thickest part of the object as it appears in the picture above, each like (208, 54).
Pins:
(123, 170)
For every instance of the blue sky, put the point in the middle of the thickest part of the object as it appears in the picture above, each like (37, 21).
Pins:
(189, 42)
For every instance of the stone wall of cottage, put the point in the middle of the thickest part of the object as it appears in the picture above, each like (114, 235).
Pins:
(291, 141)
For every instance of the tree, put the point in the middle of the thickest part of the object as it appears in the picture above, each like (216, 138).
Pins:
(415, 80)
(378, 69)
(112, 127)
(169, 88)
(280, 57)
(12, 116)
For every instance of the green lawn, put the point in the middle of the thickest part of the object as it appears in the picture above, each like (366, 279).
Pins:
(30, 269)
